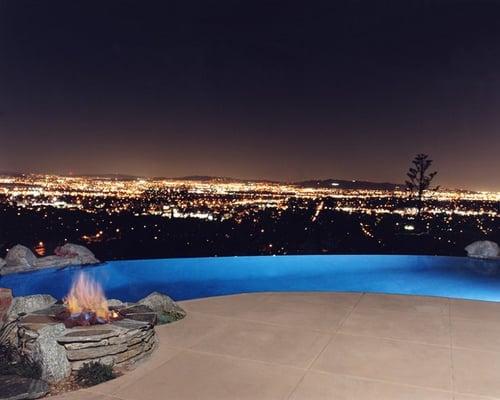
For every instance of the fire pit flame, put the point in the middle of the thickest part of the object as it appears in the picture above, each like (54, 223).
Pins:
(86, 304)
(86, 295)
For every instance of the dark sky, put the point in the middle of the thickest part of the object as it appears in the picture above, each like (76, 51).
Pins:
(273, 89)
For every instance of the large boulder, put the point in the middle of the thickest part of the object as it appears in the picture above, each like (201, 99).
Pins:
(2, 262)
(50, 354)
(165, 308)
(79, 254)
(55, 261)
(29, 304)
(19, 256)
(483, 249)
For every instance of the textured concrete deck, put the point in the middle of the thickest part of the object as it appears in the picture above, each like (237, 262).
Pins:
(307, 346)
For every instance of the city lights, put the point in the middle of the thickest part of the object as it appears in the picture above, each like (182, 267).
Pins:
(218, 199)
(244, 214)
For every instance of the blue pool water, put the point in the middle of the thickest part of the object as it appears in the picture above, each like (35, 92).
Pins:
(189, 278)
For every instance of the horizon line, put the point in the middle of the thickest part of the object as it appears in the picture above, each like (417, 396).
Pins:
(228, 178)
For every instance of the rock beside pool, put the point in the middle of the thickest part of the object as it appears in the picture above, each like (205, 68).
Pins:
(14, 387)
(76, 252)
(19, 256)
(21, 259)
(166, 309)
(29, 304)
(69, 254)
(483, 249)
(54, 262)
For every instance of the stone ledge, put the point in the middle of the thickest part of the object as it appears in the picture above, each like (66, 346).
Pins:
(121, 342)
(95, 333)
(95, 352)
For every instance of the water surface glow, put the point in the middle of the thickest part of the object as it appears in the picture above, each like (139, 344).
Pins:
(188, 278)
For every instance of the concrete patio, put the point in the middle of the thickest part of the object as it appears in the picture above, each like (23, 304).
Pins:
(306, 346)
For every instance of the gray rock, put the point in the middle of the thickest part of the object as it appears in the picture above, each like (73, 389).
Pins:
(29, 304)
(140, 313)
(19, 255)
(483, 249)
(15, 387)
(22, 259)
(79, 254)
(95, 352)
(85, 345)
(165, 308)
(92, 334)
(133, 351)
(128, 323)
(115, 303)
(50, 354)
(2, 262)
(54, 261)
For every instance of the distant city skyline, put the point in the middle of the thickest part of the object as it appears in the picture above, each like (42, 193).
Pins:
(332, 182)
(141, 218)
(237, 178)
(275, 90)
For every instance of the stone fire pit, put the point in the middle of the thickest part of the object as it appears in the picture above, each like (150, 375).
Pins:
(33, 324)
(60, 338)
(120, 343)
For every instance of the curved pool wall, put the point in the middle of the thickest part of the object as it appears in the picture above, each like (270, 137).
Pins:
(188, 278)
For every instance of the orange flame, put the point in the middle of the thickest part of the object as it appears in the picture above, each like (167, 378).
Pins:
(86, 295)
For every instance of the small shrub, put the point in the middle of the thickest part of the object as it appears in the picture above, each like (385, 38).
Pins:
(93, 373)
(14, 362)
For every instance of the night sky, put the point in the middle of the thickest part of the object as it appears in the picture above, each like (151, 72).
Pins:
(286, 90)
